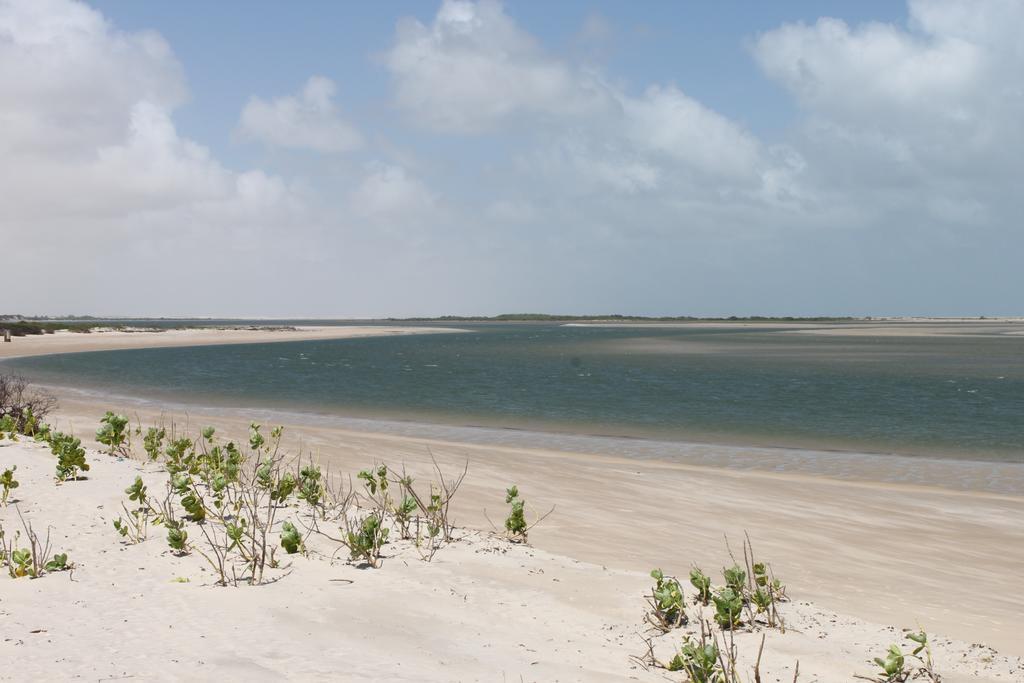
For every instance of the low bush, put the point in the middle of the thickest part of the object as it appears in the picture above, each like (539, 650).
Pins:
(70, 456)
(114, 433)
(9, 483)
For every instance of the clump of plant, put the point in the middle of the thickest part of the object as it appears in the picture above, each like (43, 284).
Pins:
(70, 456)
(177, 537)
(699, 661)
(735, 578)
(895, 668)
(114, 433)
(8, 428)
(311, 487)
(9, 483)
(291, 539)
(153, 442)
(517, 528)
(728, 608)
(34, 560)
(134, 526)
(763, 591)
(515, 523)
(666, 603)
(703, 585)
(425, 516)
(706, 660)
(365, 540)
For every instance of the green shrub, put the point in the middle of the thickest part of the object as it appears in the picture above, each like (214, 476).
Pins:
(700, 662)
(8, 427)
(43, 433)
(283, 488)
(137, 491)
(666, 602)
(728, 608)
(364, 543)
(8, 482)
(515, 523)
(21, 563)
(893, 666)
(59, 563)
(113, 433)
(311, 489)
(177, 536)
(154, 441)
(702, 583)
(291, 539)
(735, 578)
(70, 456)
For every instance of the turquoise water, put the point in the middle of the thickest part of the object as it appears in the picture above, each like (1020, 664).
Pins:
(942, 396)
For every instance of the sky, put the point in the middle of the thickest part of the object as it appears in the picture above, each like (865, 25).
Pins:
(325, 159)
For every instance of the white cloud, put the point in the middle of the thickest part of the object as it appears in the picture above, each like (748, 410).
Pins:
(308, 120)
(937, 101)
(70, 79)
(99, 182)
(390, 194)
(666, 121)
(474, 69)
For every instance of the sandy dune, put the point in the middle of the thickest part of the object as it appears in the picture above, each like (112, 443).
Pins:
(888, 553)
(483, 610)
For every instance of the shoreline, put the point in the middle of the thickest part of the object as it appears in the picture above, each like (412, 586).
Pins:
(974, 475)
(63, 341)
(842, 544)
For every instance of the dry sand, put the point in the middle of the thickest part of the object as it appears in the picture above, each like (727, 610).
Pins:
(107, 340)
(483, 610)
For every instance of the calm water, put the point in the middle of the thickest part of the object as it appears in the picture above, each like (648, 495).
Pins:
(942, 396)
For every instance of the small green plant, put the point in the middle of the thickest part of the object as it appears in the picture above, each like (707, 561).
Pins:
(70, 456)
(699, 661)
(21, 563)
(893, 666)
(32, 561)
(735, 578)
(59, 563)
(666, 602)
(365, 541)
(137, 491)
(177, 537)
(311, 488)
(153, 441)
(703, 585)
(43, 432)
(283, 488)
(291, 539)
(29, 423)
(9, 483)
(8, 427)
(113, 433)
(728, 608)
(515, 523)
(403, 516)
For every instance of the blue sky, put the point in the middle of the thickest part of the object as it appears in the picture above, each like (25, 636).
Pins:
(418, 158)
(231, 51)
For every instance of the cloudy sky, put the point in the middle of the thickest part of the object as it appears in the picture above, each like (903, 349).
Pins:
(410, 158)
